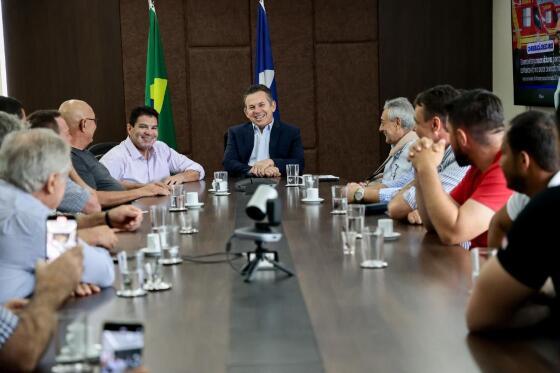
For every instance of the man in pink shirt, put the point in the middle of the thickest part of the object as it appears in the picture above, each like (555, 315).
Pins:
(141, 159)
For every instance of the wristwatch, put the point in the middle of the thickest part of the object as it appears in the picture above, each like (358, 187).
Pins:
(359, 194)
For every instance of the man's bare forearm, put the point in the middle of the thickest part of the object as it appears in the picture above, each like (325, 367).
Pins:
(437, 205)
(110, 199)
(422, 209)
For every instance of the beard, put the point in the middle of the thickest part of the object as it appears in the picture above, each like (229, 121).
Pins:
(515, 182)
(461, 158)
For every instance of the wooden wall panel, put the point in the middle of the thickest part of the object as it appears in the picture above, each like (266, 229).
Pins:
(60, 49)
(433, 43)
(218, 22)
(343, 21)
(347, 108)
(216, 99)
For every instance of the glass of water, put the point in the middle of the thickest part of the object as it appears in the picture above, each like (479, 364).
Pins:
(169, 240)
(158, 216)
(131, 268)
(339, 199)
(355, 217)
(373, 248)
(292, 175)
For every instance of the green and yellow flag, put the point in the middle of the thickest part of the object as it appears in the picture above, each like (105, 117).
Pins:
(157, 92)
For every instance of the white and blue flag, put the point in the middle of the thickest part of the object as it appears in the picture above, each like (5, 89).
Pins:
(264, 64)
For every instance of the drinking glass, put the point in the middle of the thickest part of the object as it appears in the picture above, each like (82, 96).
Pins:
(355, 217)
(154, 273)
(220, 182)
(72, 342)
(169, 240)
(158, 216)
(292, 175)
(187, 223)
(373, 248)
(348, 242)
(339, 199)
(131, 268)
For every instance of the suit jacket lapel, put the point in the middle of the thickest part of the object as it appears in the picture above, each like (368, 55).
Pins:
(250, 136)
(274, 137)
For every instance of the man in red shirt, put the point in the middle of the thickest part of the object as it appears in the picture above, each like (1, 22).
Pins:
(476, 128)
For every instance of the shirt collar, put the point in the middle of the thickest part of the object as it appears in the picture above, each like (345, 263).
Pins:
(133, 150)
(268, 127)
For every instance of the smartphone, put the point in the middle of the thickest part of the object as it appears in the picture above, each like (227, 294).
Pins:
(121, 346)
(61, 235)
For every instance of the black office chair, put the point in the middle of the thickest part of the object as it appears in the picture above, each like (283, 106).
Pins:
(225, 140)
(101, 148)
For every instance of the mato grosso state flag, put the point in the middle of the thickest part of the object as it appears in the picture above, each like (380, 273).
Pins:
(264, 63)
(157, 91)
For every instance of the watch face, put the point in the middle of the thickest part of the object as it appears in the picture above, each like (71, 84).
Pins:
(359, 195)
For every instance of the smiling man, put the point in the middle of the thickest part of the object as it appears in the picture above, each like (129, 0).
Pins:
(397, 125)
(141, 159)
(262, 147)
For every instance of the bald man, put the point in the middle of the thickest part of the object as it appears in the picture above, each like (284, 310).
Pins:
(82, 124)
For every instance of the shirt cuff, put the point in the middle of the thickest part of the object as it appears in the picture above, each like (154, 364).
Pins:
(387, 194)
(410, 197)
(8, 324)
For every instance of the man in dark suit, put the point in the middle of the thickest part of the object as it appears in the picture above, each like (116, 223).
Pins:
(262, 147)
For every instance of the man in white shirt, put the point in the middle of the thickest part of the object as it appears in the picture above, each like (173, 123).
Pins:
(141, 159)
(531, 163)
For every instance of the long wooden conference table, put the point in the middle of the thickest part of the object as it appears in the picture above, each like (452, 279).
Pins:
(332, 316)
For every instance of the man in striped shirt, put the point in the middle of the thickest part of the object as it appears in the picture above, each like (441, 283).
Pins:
(26, 326)
(431, 119)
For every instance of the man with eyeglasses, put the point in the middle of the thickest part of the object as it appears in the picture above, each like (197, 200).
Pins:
(140, 158)
(82, 123)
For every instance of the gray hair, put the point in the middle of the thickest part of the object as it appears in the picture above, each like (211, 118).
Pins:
(400, 108)
(29, 157)
(9, 123)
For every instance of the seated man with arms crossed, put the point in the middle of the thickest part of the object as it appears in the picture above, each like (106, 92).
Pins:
(82, 123)
(141, 159)
(262, 147)
(33, 169)
(431, 122)
(531, 163)
(476, 128)
(397, 124)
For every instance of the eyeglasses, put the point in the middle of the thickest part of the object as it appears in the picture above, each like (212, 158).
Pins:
(95, 120)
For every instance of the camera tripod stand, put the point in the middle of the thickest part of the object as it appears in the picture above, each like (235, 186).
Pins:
(259, 256)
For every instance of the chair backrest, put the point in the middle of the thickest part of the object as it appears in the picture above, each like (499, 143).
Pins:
(225, 140)
(101, 148)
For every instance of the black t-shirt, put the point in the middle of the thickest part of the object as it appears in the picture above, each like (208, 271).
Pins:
(533, 253)
(93, 172)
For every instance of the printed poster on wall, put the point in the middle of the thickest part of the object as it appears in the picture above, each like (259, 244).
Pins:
(535, 29)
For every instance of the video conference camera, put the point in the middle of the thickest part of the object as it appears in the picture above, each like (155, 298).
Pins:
(264, 207)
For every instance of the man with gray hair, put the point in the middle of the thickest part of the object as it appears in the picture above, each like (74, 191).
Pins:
(9, 123)
(33, 173)
(397, 124)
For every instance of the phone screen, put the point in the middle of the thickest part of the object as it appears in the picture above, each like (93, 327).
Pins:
(61, 235)
(122, 345)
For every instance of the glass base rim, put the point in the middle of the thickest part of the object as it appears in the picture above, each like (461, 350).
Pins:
(374, 264)
(170, 261)
(131, 293)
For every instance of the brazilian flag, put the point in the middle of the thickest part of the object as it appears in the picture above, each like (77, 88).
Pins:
(157, 92)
